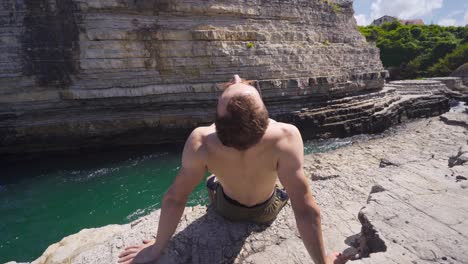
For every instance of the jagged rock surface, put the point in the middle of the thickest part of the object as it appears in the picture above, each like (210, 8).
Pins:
(461, 72)
(421, 211)
(400, 197)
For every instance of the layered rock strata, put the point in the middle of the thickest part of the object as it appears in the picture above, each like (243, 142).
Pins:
(398, 198)
(80, 73)
(417, 87)
(371, 112)
(458, 91)
(453, 83)
(89, 74)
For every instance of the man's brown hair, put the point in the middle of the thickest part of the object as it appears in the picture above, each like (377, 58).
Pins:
(244, 123)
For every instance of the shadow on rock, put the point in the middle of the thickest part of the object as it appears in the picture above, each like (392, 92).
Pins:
(209, 239)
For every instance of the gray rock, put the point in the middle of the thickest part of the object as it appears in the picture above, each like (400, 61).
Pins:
(412, 87)
(385, 163)
(413, 212)
(453, 83)
(455, 119)
(461, 72)
(460, 159)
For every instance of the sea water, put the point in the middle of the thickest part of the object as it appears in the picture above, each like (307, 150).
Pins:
(44, 200)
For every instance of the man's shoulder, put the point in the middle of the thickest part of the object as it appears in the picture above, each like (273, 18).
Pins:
(288, 144)
(202, 131)
(199, 135)
(195, 146)
(285, 130)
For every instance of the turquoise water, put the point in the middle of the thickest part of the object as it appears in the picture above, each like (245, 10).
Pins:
(45, 200)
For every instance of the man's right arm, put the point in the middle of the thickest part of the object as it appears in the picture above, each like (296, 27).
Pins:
(306, 211)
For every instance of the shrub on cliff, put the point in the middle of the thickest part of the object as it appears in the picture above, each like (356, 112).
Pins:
(451, 61)
(415, 51)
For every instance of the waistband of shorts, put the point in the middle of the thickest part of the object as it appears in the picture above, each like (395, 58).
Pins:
(236, 203)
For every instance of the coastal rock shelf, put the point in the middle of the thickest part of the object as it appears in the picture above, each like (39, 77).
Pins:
(453, 83)
(398, 198)
(80, 73)
(371, 112)
(417, 87)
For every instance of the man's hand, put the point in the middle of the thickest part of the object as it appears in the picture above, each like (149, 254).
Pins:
(144, 253)
(336, 258)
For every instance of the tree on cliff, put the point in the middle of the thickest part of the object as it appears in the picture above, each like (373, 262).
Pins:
(415, 51)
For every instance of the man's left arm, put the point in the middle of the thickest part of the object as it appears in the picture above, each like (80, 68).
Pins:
(190, 175)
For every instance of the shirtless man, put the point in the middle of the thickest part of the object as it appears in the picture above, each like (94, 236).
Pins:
(247, 152)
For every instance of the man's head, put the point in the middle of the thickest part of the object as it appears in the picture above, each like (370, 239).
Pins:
(241, 116)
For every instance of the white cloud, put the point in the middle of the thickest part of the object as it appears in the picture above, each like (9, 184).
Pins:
(455, 13)
(404, 9)
(447, 22)
(451, 19)
(361, 20)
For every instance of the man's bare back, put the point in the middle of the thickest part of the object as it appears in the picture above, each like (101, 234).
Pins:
(248, 153)
(248, 177)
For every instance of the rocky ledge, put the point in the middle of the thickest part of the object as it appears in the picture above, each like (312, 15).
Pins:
(400, 197)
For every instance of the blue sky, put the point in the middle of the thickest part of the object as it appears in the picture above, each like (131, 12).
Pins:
(441, 12)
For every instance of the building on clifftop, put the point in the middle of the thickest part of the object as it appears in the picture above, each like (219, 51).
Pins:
(388, 19)
(412, 22)
(384, 19)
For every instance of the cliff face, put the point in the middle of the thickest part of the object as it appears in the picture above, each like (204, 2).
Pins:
(80, 74)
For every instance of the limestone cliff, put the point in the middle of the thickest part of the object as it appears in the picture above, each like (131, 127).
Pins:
(80, 73)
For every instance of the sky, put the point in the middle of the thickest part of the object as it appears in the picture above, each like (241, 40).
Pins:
(441, 12)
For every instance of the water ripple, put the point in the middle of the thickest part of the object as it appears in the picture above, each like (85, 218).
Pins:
(85, 175)
(142, 212)
(459, 107)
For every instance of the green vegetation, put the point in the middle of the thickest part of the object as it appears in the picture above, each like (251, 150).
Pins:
(415, 51)
(335, 7)
(326, 43)
(250, 45)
